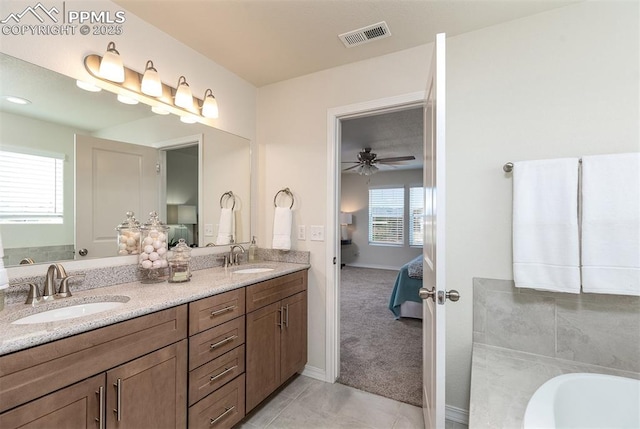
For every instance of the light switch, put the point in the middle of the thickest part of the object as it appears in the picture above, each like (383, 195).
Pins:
(302, 232)
(317, 232)
(208, 230)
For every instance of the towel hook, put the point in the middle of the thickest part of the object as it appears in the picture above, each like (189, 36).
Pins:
(286, 191)
(229, 196)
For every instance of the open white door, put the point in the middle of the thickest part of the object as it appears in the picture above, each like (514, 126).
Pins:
(104, 168)
(433, 292)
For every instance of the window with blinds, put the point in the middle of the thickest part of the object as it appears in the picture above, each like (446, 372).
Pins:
(416, 216)
(386, 216)
(31, 188)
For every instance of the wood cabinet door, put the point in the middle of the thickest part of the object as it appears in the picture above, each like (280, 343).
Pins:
(74, 407)
(293, 349)
(149, 392)
(263, 353)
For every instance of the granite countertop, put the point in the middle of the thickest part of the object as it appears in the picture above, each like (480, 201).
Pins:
(503, 380)
(140, 299)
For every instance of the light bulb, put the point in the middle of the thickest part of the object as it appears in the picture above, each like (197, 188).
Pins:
(111, 67)
(210, 105)
(151, 84)
(183, 96)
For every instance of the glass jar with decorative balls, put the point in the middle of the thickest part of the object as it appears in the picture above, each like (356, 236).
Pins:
(179, 260)
(153, 250)
(129, 236)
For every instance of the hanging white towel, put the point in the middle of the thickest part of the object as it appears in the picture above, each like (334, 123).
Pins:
(4, 279)
(225, 226)
(546, 253)
(611, 224)
(282, 228)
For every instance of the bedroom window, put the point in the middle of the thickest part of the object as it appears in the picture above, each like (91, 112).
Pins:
(386, 216)
(416, 216)
(31, 188)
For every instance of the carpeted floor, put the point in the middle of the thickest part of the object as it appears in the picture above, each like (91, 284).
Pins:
(378, 354)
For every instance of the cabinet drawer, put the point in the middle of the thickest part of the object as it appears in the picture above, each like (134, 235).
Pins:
(215, 342)
(274, 290)
(216, 310)
(220, 410)
(31, 373)
(214, 374)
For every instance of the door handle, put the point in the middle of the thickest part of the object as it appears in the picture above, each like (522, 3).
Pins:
(453, 295)
(426, 293)
(83, 252)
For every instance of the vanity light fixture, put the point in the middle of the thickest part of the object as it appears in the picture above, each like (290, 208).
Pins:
(111, 66)
(183, 97)
(188, 119)
(151, 84)
(87, 86)
(126, 99)
(210, 105)
(159, 110)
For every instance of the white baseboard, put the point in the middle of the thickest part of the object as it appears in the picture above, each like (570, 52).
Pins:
(456, 414)
(377, 267)
(316, 373)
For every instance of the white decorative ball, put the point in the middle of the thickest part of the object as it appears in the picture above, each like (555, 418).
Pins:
(164, 263)
(144, 256)
(131, 241)
(122, 246)
(157, 264)
(153, 256)
(161, 251)
(153, 233)
(122, 252)
(162, 236)
(147, 240)
(149, 248)
(146, 264)
(157, 244)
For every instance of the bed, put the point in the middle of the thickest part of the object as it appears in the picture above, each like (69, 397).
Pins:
(405, 301)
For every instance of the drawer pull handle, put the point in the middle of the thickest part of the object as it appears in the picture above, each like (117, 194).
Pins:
(227, 410)
(219, 343)
(118, 409)
(286, 319)
(100, 419)
(226, 370)
(224, 310)
(280, 315)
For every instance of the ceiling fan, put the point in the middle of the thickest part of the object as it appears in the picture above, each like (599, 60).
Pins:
(367, 160)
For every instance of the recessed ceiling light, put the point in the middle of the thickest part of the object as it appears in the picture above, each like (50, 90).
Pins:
(16, 100)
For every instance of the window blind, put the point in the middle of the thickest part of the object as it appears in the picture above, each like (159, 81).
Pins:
(31, 188)
(416, 216)
(386, 216)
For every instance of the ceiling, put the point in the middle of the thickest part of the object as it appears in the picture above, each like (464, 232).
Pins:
(267, 41)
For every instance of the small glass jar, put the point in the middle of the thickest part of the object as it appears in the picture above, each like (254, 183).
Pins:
(179, 263)
(128, 236)
(153, 250)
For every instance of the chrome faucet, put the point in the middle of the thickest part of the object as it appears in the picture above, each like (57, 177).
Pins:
(233, 256)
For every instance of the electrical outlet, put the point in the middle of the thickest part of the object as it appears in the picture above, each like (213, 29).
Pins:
(302, 232)
(208, 230)
(317, 232)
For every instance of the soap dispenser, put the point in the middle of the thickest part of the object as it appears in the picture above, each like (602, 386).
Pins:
(252, 249)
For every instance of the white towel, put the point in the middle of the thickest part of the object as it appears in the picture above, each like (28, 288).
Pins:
(611, 224)
(225, 227)
(546, 253)
(282, 228)
(4, 279)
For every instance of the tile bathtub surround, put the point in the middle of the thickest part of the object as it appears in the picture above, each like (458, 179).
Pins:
(120, 274)
(594, 329)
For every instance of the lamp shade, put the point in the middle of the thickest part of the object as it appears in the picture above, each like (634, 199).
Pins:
(210, 105)
(346, 218)
(151, 84)
(187, 215)
(111, 66)
(183, 98)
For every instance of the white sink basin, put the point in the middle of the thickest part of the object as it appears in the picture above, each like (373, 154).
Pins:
(70, 312)
(253, 270)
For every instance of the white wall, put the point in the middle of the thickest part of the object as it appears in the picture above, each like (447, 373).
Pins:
(138, 43)
(292, 145)
(355, 199)
(561, 83)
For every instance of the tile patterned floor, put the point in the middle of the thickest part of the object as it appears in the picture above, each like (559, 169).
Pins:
(306, 403)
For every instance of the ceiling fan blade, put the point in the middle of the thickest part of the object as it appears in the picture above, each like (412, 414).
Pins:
(396, 159)
(351, 162)
(352, 167)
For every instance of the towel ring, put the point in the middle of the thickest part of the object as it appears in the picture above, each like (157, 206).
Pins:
(286, 191)
(229, 196)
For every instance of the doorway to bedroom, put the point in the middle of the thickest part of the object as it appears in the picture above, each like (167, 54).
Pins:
(380, 217)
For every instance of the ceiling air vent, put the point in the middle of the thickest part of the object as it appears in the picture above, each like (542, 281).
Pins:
(365, 34)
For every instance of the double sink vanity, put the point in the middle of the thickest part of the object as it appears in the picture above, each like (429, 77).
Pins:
(166, 355)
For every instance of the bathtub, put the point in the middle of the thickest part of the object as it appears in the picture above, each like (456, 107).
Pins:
(585, 401)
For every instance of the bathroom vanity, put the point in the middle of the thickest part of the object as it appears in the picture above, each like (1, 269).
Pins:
(172, 356)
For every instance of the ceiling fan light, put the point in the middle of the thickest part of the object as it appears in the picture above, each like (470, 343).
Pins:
(210, 105)
(151, 84)
(367, 169)
(183, 97)
(111, 66)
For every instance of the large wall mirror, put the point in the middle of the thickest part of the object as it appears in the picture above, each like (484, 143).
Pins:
(101, 159)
